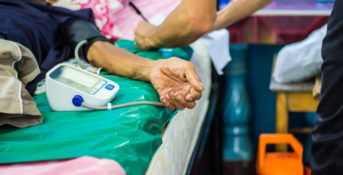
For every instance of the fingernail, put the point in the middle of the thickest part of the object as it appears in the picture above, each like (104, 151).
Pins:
(202, 86)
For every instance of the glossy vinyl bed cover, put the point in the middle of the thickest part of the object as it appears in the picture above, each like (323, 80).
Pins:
(129, 135)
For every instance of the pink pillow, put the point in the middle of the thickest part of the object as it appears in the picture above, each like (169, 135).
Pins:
(78, 166)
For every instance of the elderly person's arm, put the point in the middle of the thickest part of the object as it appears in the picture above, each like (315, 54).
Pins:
(192, 19)
(174, 79)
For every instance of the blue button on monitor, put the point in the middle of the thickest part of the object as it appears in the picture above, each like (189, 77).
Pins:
(109, 87)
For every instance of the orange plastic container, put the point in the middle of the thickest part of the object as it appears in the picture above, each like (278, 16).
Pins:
(307, 171)
(279, 163)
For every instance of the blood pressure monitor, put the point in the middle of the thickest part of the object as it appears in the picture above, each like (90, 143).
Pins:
(66, 85)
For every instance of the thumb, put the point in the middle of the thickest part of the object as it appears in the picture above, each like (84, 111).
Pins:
(194, 80)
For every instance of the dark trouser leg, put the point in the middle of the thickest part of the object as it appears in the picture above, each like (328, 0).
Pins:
(327, 138)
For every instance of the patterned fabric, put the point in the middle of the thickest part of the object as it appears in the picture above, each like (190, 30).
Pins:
(115, 18)
(103, 11)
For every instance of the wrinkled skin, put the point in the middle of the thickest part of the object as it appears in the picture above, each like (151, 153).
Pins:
(177, 83)
(174, 79)
(143, 29)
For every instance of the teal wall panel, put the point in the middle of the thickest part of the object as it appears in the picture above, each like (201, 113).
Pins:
(263, 101)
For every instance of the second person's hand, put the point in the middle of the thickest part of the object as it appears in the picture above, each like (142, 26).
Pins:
(141, 32)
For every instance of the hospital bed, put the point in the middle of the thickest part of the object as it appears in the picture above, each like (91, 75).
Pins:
(133, 139)
(181, 135)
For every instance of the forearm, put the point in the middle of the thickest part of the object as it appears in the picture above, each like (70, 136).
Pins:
(189, 21)
(237, 10)
(119, 61)
(175, 80)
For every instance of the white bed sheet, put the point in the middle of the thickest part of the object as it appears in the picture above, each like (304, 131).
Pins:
(180, 135)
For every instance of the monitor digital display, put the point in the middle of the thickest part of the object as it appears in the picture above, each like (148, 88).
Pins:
(79, 77)
(76, 79)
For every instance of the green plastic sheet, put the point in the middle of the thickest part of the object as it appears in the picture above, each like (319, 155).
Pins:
(128, 135)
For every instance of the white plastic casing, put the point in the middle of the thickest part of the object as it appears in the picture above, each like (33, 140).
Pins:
(60, 95)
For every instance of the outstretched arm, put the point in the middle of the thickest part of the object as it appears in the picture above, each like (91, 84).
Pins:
(174, 79)
(237, 10)
(192, 19)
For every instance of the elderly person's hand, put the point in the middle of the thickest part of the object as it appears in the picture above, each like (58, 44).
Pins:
(143, 29)
(174, 79)
(177, 83)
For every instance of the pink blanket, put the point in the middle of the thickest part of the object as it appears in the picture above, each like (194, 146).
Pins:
(78, 166)
(118, 21)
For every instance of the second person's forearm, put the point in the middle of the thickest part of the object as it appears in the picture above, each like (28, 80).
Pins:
(237, 10)
(189, 21)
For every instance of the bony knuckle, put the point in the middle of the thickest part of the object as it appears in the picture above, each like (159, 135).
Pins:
(174, 59)
(189, 64)
(164, 66)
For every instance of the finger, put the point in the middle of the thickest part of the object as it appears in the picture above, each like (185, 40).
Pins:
(184, 92)
(178, 106)
(189, 98)
(174, 101)
(190, 105)
(166, 102)
(194, 79)
(187, 89)
(193, 95)
(180, 99)
(138, 39)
